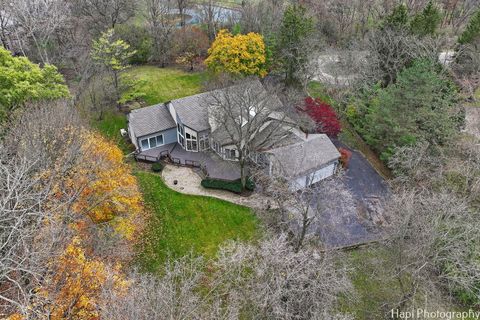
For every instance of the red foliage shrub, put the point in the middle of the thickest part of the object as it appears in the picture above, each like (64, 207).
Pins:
(324, 116)
(345, 156)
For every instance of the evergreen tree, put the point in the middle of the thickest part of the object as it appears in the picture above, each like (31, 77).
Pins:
(292, 47)
(472, 32)
(398, 19)
(426, 22)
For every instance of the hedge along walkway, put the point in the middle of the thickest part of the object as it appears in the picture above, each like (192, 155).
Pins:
(189, 183)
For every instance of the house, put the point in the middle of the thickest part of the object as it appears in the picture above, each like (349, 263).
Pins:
(186, 129)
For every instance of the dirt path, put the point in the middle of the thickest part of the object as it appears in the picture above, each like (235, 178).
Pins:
(189, 183)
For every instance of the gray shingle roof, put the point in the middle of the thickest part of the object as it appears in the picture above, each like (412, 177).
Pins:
(306, 156)
(151, 119)
(193, 111)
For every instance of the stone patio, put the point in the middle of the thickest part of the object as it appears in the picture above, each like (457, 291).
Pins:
(189, 183)
(216, 167)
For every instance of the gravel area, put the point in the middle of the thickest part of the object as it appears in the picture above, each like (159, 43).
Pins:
(189, 183)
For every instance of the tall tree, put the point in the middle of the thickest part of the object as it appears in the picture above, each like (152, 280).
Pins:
(247, 117)
(22, 81)
(182, 6)
(36, 24)
(104, 14)
(398, 19)
(191, 45)
(471, 34)
(426, 22)
(239, 55)
(112, 55)
(210, 12)
(161, 25)
(293, 44)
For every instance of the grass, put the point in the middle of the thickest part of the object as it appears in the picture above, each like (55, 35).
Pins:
(157, 85)
(110, 126)
(376, 291)
(183, 223)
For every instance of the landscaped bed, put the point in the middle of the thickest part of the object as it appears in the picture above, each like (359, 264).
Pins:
(183, 223)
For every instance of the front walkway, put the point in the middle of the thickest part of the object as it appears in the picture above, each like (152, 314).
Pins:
(189, 183)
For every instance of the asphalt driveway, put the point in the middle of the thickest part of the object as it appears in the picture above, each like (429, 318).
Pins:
(340, 228)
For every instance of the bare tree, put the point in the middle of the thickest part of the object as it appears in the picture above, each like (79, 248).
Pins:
(301, 210)
(38, 21)
(281, 283)
(209, 13)
(248, 118)
(162, 27)
(433, 239)
(264, 17)
(182, 6)
(174, 295)
(104, 14)
(38, 150)
(391, 50)
(268, 281)
(5, 24)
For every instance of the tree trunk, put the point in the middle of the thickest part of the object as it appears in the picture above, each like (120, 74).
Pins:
(243, 178)
(302, 234)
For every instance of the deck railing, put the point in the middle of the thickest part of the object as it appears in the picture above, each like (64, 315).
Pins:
(165, 155)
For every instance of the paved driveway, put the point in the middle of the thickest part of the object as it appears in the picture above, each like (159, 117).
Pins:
(340, 228)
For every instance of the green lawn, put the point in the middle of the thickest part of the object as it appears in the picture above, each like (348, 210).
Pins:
(163, 84)
(183, 223)
(110, 126)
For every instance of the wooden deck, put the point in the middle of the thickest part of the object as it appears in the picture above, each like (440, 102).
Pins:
(214, 166)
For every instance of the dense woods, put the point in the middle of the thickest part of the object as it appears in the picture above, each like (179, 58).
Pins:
(75, 221)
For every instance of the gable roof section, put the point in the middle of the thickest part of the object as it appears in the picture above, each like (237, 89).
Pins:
(306, 156)
(150, 120)
(193, 111)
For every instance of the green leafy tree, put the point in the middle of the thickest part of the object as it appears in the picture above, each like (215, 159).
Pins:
(22, 81)
(398, 19)
(472, 32)
(113, 55)
(426, 22)
(292, 46)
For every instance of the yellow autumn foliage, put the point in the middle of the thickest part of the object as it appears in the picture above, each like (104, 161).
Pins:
(238, 55)
(77, 284)
(107, 191)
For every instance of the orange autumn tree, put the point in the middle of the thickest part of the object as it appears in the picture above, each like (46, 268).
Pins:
(76, 287)
(107, 191)
(243, 54)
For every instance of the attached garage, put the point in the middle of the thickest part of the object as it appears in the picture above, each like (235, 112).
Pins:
(314, 177)
(305, 163)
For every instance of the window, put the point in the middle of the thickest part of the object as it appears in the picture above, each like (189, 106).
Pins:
(145, 144)
(230, 154)
(204, 142)
(152, 142)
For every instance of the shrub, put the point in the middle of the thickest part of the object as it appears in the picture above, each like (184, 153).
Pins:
(157, 167)
(324, 116)
(233, 186)
(345, 156)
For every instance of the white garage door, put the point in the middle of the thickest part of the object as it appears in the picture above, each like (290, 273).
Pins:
(304, 181)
